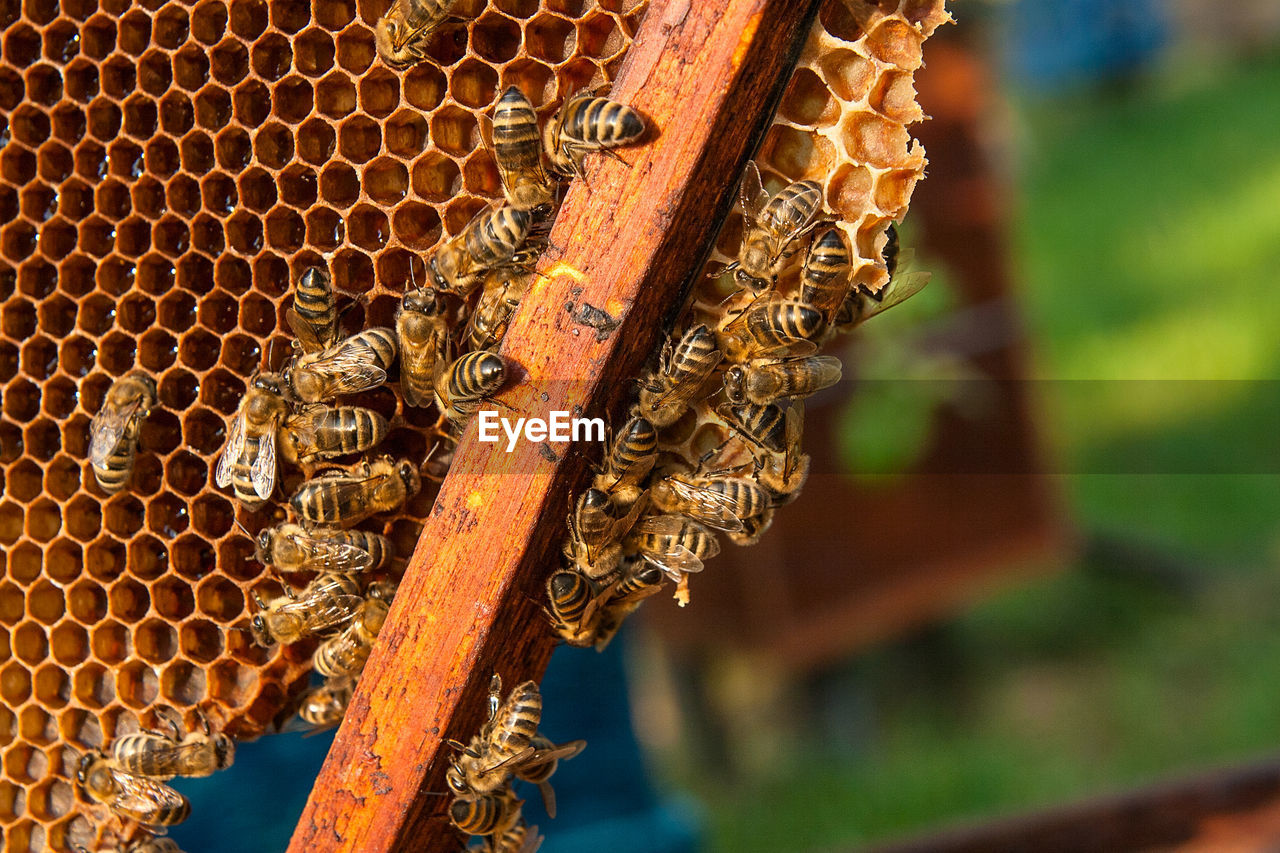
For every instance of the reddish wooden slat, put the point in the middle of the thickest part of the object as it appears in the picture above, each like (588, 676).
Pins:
(706, 74)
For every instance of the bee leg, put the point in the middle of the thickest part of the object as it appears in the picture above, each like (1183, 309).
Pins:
(257, 600)
(615, 155)
(204, 721)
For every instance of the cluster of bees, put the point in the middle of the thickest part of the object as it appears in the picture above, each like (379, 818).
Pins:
(742, 367)
(507, 746)
(445, 337)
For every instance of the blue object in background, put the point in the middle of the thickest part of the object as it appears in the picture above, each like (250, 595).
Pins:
(604, 798)
(605, 801)
(1055, 44)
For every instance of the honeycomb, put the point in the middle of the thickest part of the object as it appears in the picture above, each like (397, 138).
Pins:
(166, 170)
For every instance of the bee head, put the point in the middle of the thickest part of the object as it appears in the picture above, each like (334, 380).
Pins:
(735, 379)
(263, 548)
(442, 268)
(408, 472)
(82, 770)
(272, 382)
(423, 300)
(390, 43)
(746, 279)
(258, 625)
(457, 784)
(224, 750)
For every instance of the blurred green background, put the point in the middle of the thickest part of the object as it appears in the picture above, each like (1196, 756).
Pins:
(1146, 240)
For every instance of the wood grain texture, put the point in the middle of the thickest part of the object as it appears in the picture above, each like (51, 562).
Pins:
(707, 75)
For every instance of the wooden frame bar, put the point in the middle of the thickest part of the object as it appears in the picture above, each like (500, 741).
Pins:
(707, 74)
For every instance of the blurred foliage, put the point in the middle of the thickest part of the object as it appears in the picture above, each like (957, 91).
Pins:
(1148, 238)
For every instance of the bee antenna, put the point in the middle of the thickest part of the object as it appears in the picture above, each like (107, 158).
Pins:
(243, 529)
(271, 352)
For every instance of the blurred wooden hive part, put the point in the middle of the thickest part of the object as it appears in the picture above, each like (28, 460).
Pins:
(167, 170)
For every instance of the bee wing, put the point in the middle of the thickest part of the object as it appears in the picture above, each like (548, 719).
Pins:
(352, 489)
(141, 798)
(231, 452)
(637, 472)
(328, 555)
(108, 427)
(348, 371)
(556, 753)
(335, 611)
(751, 193)
(623, 525)
(900, 289)
(795, 423)
(532, 841)
(263, 471)
(714, 509)
(792, 349)
(675, 560)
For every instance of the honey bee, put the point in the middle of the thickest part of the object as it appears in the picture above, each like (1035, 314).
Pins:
(630, 457)
(327, 602)
(401, 34)
(162, 756)
(488, 324)
(638, 582)
(763, 426)
(860, 305)
(683, 371)
(248, 462)
(320, 432)
(586, 123)
(485, 814)
(313, 318)
(754, 528)
(345, 498)
(593, 544)
(293, 548)
(771, 226)
(519, 838)
(322, 707)
(772, 327)
(423, 332)
(626, 595)
(574, 602)
(721, 503)
(824, 280)
(462, 385)
(517, 150)
(491, 239)
(350, 366)
(344, 655)
(762, 381)
(678, 546)
(785, 471)
(115, 429)
(508, 745)
(136, 798)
